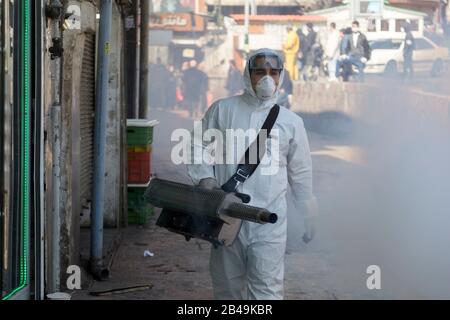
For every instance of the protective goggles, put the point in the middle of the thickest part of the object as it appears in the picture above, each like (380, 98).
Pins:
(264, 60)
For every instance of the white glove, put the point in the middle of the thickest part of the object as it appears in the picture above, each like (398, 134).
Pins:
(343, 57)
(310, 229)
(208, 183)
(363, 60)
(312, 211)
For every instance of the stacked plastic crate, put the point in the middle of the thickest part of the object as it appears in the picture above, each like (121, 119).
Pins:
(139, 142)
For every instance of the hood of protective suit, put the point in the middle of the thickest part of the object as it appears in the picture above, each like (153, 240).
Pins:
(250, 93)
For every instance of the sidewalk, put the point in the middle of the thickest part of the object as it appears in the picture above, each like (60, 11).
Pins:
(178, 269)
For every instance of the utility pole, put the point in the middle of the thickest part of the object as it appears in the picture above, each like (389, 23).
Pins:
(104, 48)
(253, 8)
(136, 74)
(352, 9)
(246, 27)
(218, 13)
(143, 70)
(443, 16)
(132, 61)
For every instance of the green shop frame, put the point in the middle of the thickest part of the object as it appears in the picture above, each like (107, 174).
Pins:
(18, 245)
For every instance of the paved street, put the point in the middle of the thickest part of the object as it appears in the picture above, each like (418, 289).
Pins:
(422, 82)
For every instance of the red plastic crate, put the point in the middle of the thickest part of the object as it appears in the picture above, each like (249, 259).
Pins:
(139, 165)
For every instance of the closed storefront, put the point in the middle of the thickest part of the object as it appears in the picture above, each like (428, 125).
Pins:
(87, 112)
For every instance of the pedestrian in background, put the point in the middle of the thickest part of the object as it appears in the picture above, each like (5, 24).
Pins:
(204, 89)
(301, 34)
(355, 51)
(195, 83)
(408, 49)
(308, 52)
(171, 88)
(290, 49)
(332, 51)
(234, 83)
(159, 77)
(343, 68)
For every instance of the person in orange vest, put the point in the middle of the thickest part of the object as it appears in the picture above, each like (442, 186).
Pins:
(290, 49)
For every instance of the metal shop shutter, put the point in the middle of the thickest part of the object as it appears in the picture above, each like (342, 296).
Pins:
(87, 114)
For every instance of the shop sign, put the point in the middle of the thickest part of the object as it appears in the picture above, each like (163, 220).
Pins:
(179, 22)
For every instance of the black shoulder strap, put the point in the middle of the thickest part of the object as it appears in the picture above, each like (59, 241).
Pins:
(246, 169)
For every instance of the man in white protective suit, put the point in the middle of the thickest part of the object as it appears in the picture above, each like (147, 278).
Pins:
(253, 266)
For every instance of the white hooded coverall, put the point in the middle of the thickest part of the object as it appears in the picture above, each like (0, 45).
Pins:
(253, 266)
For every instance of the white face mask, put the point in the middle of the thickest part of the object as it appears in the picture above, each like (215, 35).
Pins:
(265, 88)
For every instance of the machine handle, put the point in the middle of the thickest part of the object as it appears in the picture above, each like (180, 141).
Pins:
(243, 196)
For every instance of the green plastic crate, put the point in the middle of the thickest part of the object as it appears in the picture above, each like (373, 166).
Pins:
(139, 136)
(140, 131)
(140, 215)
(136, 195)
(139, 210)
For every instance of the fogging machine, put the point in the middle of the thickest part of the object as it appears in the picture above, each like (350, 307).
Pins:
(195, 212)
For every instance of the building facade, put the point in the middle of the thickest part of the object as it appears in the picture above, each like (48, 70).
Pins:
(49, 69)
(386, 24)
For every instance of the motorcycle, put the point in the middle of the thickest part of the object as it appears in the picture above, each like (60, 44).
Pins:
(347, 70)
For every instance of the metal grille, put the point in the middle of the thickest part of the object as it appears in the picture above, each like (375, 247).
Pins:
(87, 113)
(185, 198)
